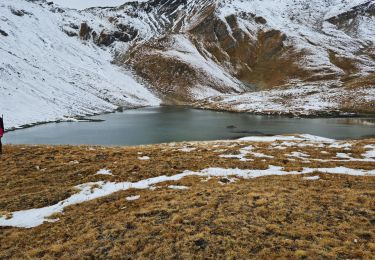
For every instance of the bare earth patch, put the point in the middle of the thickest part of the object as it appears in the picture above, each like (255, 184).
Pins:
(316, 199)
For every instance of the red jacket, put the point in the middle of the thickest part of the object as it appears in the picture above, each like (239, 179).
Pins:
(1, 127)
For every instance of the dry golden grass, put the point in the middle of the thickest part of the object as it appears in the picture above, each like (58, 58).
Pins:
(268, 217)
(346, 64)
(366, 81)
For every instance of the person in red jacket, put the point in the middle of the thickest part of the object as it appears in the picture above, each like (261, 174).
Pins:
(2, 129)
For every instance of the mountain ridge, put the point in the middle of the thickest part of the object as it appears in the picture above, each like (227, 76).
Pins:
(254, 51)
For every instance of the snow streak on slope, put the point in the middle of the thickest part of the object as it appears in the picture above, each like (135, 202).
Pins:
(46, 75)
(184, 50)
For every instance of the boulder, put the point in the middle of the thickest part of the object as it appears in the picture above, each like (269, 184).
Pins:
(105, 39)
(3, 33)
(260, 20)
(84, 31)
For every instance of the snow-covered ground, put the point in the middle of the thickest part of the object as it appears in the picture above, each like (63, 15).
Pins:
(104, 172)
(46, 75)
(305, 100)
(89, 191)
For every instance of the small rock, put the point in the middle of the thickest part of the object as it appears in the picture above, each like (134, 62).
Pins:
(224, 180)
(105, 39)
(17, 12)
(260, 20)
(201, 243)
(130, 226)
(3, 33)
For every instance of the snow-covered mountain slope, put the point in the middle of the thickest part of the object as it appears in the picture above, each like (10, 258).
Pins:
(59, 62)
(160, 50)
(307, 30)
(314, 99)
(47, 75)
(254, 44)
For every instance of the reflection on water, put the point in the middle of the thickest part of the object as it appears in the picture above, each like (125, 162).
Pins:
(169, 124)
(357, 121)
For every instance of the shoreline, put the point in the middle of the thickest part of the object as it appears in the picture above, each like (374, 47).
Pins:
(323, 114)
(85, 118)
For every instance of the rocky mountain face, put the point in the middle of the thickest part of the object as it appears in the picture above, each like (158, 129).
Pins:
(188, 49)
(185, 51)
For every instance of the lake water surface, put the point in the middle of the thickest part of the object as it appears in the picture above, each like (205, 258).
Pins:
(172, 124)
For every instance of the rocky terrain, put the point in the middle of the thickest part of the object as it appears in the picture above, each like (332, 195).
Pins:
(181, 52)
(211, 47)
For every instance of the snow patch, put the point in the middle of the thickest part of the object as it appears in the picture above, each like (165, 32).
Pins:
(370, 154)
(177, 187)
(186, 149)
(311, 178)
(304, 137)
(343, 156)
(299, 155)
(144, 158)
(89, 191)
(132, 198)
(104, 172)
